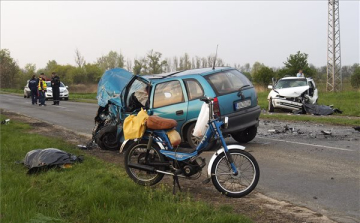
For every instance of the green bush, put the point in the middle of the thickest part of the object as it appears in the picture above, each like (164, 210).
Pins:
(355, 78)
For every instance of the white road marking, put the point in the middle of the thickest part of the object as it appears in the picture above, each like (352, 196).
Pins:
(307, 144)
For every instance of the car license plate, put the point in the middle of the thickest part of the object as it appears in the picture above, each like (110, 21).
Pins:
(242, 104)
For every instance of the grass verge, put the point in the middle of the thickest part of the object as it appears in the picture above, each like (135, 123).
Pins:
(92, 191)
(347, 102)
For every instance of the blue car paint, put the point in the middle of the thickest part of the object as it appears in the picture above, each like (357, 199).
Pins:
(111, 84)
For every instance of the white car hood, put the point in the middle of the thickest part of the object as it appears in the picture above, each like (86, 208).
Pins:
(292, 92)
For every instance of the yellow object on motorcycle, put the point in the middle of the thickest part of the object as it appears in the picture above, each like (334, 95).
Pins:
(174, 137)
(134, 125)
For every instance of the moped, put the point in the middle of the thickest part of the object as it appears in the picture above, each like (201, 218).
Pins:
(233, 171)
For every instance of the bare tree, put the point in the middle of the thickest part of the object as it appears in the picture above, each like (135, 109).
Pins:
(129, 66)
(204, 62)
(79, 59)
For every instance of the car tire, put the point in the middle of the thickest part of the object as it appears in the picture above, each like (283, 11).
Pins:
(24, 96)
(106, 138)
(271, 106)
(245, 136)
(194, 141)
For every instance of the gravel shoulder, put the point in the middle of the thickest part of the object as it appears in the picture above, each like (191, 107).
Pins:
(256, 206)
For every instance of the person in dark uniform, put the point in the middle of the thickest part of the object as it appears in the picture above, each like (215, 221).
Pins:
(33, 85)
(55, 84)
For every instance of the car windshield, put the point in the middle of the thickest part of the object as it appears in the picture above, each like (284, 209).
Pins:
(288, 83)
(227, 81)
(48, 84)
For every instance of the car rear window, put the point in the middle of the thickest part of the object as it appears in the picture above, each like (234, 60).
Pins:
(227, 81)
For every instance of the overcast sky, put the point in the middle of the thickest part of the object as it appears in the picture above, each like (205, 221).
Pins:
(246, 31)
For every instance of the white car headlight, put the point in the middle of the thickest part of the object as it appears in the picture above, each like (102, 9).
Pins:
(66, 91)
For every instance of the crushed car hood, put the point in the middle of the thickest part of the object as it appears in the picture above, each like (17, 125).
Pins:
(293, 91)
(111, 85)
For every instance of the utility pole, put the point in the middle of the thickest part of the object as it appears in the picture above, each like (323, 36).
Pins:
(334, 77)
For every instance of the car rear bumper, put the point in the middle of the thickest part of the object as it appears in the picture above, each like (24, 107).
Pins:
(242, 120)
(286, 104)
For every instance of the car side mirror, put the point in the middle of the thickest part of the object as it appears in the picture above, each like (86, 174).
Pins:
(66, 86)
(270, 87)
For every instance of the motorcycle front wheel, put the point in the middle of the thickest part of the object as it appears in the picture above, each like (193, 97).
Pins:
(136, 154)
(233, 185)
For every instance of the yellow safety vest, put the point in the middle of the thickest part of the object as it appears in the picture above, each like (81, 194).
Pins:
(43, 85)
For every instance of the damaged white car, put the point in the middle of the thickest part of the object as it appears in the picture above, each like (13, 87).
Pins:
(291, 93)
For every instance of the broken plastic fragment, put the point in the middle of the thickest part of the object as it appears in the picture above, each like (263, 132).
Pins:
(326, 132)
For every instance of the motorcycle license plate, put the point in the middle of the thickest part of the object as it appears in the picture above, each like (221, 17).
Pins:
(242, 104)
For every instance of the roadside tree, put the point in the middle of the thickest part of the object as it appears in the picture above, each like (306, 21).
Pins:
(355, 78)
(79, 59)
(263, 76)
(296, 62)
(155, 64)
(8, 69)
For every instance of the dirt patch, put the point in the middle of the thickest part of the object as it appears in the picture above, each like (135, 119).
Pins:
(256, 206)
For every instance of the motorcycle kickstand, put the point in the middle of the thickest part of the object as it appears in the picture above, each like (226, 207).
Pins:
(176, 181)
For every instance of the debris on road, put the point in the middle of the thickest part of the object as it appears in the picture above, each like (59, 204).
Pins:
(43, 159)
(357, 128)
(285, 129)
(90, 145)
(5, 122)
(326, 132)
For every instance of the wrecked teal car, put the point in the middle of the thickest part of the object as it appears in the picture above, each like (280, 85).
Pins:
(175, 95)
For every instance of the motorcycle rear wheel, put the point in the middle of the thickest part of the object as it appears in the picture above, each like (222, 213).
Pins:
(136, 154)
(235, 185)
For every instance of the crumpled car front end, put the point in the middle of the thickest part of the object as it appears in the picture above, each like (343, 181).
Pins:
(290, 98)
(108, 126)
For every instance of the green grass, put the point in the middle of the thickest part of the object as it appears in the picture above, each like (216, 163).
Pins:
(10, 90)
(83, 97)
(92, 191)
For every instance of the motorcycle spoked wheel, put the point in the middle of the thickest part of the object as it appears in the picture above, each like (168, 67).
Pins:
(135, 154)
(235, 185)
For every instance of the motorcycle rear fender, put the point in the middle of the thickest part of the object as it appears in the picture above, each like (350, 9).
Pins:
(217, 153)
(126, 143)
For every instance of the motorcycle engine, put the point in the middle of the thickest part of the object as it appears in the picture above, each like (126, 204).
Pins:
(194, 166)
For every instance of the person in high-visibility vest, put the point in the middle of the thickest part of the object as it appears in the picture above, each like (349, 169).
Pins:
(42, 90)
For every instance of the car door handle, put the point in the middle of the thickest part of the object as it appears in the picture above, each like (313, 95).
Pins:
(180, 112)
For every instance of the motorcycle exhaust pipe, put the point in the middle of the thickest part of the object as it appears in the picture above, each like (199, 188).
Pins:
(150, 169)
(142, 167)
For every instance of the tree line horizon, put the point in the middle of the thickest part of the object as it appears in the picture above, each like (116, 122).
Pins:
(12, 76)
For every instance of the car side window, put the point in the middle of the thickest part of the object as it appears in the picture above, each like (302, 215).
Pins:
(135, 86)
(311, 85)
(168, 93)
(194, 89)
